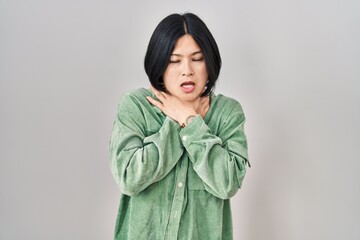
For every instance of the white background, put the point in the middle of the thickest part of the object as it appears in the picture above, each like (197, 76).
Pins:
(293, 65)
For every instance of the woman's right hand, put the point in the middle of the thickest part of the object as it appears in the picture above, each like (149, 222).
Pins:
(174, 108)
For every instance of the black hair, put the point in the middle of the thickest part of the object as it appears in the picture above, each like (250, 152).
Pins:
(162, 43)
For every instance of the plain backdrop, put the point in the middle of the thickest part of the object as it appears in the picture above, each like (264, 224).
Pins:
(293, 65)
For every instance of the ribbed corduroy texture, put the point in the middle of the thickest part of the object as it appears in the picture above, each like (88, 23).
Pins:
(176, 182)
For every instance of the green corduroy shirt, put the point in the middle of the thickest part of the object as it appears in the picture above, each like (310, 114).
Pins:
(176, 182)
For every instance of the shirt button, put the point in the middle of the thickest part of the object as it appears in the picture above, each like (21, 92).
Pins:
(180, 184)
(184, 138)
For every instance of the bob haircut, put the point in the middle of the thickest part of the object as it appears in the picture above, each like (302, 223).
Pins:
(162, 43)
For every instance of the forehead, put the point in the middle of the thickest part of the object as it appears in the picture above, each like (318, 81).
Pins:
(186, 44)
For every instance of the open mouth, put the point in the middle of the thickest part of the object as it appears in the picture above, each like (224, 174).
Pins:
(188, 86)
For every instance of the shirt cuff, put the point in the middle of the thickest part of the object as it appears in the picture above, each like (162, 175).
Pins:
(196, 128)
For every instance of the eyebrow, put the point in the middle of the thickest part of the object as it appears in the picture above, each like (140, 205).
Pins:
(180, 55)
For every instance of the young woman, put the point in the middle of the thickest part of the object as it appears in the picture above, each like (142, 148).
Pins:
(178, 152)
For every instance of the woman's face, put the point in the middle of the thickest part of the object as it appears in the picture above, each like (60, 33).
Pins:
(185, 77)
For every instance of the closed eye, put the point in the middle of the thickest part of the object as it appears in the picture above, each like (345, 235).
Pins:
(198, 59)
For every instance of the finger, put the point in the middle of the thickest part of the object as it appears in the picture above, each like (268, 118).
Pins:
(157, 93)
(154, 102)
(204, 99)
(204, 102)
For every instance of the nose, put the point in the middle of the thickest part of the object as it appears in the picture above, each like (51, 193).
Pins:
(187, 69)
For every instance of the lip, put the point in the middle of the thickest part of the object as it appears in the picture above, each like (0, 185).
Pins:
(188, 86)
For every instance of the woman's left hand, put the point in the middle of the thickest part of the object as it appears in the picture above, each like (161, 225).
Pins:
(204, 106)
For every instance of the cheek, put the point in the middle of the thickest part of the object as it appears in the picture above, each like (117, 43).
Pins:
(204, 73)
(170, 73)
(169, 78)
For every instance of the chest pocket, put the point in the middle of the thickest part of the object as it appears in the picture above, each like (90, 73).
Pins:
(194, 182)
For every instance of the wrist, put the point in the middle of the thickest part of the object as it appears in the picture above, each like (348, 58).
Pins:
(188, 120)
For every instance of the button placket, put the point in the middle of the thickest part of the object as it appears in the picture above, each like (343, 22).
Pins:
(178, 201)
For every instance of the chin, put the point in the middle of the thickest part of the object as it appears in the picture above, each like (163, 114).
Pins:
(189, 97)
(186, 97)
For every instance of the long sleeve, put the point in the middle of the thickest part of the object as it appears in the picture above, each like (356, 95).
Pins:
(175, 182)
(219, 160)
(137, 160)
